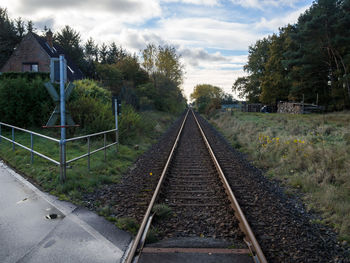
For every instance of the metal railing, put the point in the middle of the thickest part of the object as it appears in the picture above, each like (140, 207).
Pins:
(62, 146)
(31, 149)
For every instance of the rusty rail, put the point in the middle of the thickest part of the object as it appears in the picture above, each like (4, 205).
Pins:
(250, 239)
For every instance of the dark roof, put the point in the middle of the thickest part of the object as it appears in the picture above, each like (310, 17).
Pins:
(55, 52)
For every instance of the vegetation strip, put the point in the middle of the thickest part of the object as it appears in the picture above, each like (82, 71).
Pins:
(284, 229)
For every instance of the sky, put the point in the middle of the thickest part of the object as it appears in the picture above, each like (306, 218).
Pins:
(212, 36)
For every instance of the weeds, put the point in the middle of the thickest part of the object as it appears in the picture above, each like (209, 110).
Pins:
(162, 211)
(308, 152)
(127, 224)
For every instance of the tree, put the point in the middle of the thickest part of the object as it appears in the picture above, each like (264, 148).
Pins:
(20, 27)
(250, 87)
(103, 52)
(70, 40)
(163, 60)
(30, 26)
(207, 97)
(275, 84)
(8, 36)
(168, 63)
(164, 67)
(91, 50)
(115, 54)
(149, 55)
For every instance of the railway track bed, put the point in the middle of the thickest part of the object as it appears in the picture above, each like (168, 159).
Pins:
(282, 226)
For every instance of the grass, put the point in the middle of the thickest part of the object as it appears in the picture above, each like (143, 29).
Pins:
(79, 180)
(310, 153)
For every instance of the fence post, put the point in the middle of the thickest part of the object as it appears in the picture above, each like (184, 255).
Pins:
(13, 139)
(63, 122)
(104, 145)
(32, 148)
(116, 122)
(89, 148)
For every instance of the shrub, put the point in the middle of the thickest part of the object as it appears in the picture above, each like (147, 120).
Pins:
(129, 123)
(25, 75)
(24, 103)
(91, 107)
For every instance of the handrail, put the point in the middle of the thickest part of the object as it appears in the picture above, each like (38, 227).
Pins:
(28, 131)
(62, 162)
(32, 151)
(90, 135)
(87, 154)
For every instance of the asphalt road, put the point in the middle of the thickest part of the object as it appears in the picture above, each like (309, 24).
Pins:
(75, 235)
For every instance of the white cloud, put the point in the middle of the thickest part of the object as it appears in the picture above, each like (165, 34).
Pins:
(277, 22)
(207, 32)
(260, 4)
(195, 2)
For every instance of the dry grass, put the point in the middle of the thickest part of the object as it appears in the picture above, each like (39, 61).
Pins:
(308, 152)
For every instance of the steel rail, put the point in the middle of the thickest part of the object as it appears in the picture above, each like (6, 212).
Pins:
(140, 233)
(251, 241)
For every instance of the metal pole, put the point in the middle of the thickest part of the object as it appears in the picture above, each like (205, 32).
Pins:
(104, 145)
(13, 139)
(63, 121)
(0, 132)
(116, 122)
(89, 148)
(32, 148)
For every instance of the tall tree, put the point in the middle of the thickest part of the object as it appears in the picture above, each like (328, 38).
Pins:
(8, 36)
(250, 86)
(70, 41)
(275, 84)
(103, 53)
(163, 60)
(30, 26)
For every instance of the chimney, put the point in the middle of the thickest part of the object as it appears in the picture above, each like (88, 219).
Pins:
(49, 38)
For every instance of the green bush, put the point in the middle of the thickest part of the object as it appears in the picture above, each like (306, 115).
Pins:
(91, 107)
(24, 103)
(25, 75)
(129, 123)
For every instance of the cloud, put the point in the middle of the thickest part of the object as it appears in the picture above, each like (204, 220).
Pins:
(207, 32)
(195, 2)
(260, 4)
(277, 22)
(115, 6)
(196, 55)
(45, 21)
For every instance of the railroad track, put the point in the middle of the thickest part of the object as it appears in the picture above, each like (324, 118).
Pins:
(193, 185)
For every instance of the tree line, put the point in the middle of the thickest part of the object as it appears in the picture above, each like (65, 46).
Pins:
(149, 81)
(308, 61)
(207, 98)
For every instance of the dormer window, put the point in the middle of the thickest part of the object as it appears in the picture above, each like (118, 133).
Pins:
(30, 67)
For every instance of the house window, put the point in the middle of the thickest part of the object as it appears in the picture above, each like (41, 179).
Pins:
(31, 67)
